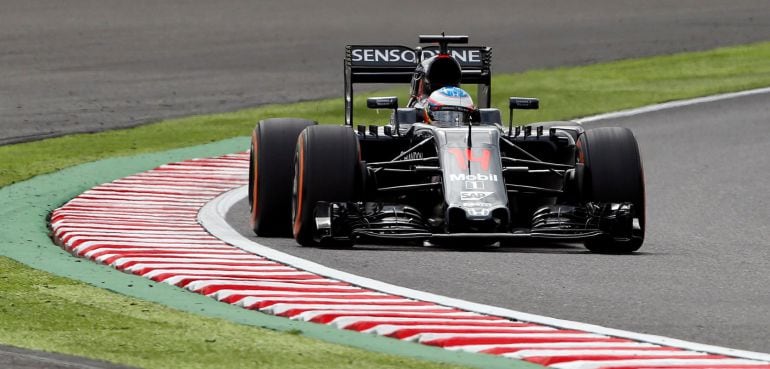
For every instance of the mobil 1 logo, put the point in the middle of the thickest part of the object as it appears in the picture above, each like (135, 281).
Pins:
(474, 185)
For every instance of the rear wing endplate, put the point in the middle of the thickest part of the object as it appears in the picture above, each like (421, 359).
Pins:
(396, 64)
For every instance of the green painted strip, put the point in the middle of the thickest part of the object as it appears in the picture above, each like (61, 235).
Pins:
(24, 207)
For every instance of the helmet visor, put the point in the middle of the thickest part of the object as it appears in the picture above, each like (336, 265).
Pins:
(452, 117)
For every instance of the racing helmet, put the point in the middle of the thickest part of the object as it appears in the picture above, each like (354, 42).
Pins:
(449, 106)
(434, 73)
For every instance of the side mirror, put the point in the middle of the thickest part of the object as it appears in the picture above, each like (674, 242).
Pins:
(489, 116)
(388, 102)
(524, 103)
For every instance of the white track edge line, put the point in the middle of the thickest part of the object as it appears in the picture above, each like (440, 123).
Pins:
(671, 105)
(212, 218)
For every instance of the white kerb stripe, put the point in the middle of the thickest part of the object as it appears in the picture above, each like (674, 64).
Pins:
(115, 252)
(250, 300)
(546, 345)
(211, 283)
(266, 271)
(223, 294)
(387, 329)
(102, 248)
(596, 364)
(282, 308)
(176, 279)
(145, 241)
(159, 262)
(197, 265)
(425, 337)
(372, 316)
(345, 321)
(575, 352)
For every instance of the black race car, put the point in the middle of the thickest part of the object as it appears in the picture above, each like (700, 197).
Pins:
(443, 171)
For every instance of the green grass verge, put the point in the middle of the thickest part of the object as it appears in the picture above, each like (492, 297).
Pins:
(42, 311)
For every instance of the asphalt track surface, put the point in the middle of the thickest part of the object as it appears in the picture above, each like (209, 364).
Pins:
(700, 276)
(16, 358)
(91, 65)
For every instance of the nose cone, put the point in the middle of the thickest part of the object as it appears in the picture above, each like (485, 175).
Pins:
(477, 219)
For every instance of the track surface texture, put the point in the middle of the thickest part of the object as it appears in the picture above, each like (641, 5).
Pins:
(700, 276)
(91, 65)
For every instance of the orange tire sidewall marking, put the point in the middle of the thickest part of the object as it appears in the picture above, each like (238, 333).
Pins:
(255, 166)
(581, 158)
(301, 185)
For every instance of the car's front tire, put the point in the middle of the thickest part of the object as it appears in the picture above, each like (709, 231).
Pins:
(270, 174)
(326, 168)
(610, 170)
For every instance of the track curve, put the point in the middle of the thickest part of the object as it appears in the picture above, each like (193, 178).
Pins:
(91, 66)
(700, 276)
(149, 224)
(96, 65)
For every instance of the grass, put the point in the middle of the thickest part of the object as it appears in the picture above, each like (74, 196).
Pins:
(41, 311)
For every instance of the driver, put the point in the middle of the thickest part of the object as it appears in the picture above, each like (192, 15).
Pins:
(450, 106)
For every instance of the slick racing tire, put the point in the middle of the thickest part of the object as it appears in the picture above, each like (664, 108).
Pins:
(271, 173)
(610, 170)
(326, 168)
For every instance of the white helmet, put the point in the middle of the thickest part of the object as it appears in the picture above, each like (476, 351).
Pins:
(449, 105)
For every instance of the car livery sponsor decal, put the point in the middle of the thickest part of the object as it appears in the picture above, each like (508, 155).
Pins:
(402, 56)
(474, 195)
(474, 177)
(464, 157)
(387, 55)
(476, 212)
(476, 205)
(474, 185)
(466, 56)
(412, 155)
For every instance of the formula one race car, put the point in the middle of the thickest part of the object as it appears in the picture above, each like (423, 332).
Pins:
(444, 171)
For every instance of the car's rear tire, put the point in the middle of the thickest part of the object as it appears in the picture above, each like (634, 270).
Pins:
(610, 170)
(326, 168)
(270, 174)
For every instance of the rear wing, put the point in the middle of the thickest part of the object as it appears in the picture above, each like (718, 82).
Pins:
(396, 64)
